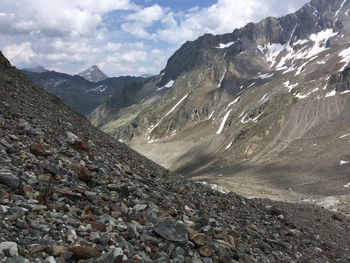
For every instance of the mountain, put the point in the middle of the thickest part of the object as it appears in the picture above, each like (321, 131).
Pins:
(38, 69)
(78, 93)
(262, 111)
(70, 193)
(93, 74)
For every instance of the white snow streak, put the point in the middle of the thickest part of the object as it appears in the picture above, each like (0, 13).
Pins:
(223, 122)
(229, 146)
(338, 11)
(345, 135)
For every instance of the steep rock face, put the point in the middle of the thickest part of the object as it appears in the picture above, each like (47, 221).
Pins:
(70, 193)
(253, 108)
(93, 74)
(78, 93)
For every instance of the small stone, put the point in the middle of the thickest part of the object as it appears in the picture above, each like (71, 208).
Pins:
(9, 248)
(84, 252)
(9, 179)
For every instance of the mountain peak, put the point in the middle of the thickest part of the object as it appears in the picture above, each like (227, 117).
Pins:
(93, 74)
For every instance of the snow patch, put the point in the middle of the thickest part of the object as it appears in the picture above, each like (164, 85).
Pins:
(338, 11)
(211, 115)
(265, 76)
(320, 40)
(232, 103)
(343, 162)
(229, 146)
(331, 94)
(222, 45)
(222, 79)
(166, 86)
(343, 136)
(345, 92)
(345, 54)
(172, 109)
(290, 86)
(244, 120)
(263, 99)
(223, 122)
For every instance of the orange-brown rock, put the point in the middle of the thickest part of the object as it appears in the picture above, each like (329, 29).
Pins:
(38, 150)
(85, 174)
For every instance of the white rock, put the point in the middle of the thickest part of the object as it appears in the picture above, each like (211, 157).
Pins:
(11, 247)
(72, 137)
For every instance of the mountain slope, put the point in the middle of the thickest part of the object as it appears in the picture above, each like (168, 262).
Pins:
(93, 74)
(78, 93)
(70, 193)
(262, 110)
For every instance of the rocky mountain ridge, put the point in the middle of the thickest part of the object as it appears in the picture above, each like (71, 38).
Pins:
(70, 193)
(81, 95)
(261, 110)
(93, 74)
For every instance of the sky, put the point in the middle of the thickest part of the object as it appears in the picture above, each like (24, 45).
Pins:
(122, 37)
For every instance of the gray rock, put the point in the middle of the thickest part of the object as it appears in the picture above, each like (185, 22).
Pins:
(9, 179)
(172, 230)
(9, 248)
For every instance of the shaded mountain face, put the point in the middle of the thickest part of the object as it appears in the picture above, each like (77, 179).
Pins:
(93, 74)
(70, 193)
(259, 110)
(81, 95)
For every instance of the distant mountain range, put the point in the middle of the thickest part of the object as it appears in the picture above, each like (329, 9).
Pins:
(259, 110)
(80, 94)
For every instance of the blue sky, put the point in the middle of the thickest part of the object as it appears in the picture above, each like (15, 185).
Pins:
(123, 37)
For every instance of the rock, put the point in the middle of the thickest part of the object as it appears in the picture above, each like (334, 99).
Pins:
(59, 250)
(172, 230)
(38, 150)
(72, 137)
(199, 239)
(140, 207)
(83, 146)
(50, 259)
(84, 252)
(85, 174)
(9, 179)
(9, 248)
(206, 251)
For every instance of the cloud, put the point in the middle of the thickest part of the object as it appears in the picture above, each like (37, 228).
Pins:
(122, 37)
(72, 18)
(221, 17)
(20, 54)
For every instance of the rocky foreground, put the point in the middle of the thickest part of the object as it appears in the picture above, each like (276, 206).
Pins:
(70, 193)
